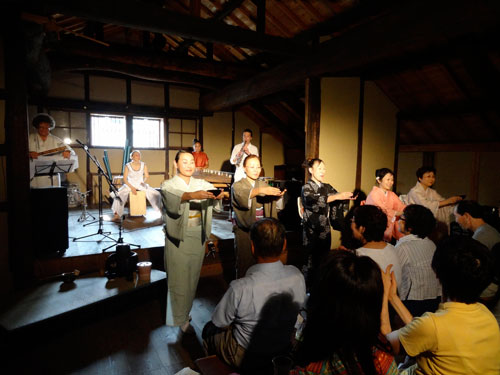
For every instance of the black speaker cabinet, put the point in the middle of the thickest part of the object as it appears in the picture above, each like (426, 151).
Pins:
(50, 220)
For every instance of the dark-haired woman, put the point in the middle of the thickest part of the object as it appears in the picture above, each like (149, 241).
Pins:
(200, 158)
(188, 223)
(419, 288)
(342, 331)
(382, 196)
(316, 196)
(251, 199)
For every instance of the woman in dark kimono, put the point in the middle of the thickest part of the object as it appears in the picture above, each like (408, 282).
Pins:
(316, 197)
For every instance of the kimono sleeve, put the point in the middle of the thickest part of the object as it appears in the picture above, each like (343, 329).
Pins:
(172, 200)
(419, 197)
(241, 194)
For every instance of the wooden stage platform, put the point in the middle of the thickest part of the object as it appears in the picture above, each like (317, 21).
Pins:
(146, 231)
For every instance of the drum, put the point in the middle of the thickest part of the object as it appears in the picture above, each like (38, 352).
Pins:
(137, 203)
(74, 195)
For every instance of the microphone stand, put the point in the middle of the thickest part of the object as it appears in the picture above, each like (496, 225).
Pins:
(113, 188)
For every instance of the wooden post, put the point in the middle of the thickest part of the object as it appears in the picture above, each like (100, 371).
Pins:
(476, 166)
(20, 245)
(396, 155)
(359, 156)
(312, 117)
(166, 98)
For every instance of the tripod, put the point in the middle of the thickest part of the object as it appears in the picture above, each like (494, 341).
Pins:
(112, 187)
(85, 215)
(120, 238)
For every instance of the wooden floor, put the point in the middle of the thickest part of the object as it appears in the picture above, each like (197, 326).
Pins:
(146, 231)
(132, 341)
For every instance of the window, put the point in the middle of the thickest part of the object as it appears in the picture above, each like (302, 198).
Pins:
(108, 130)
(148, 132)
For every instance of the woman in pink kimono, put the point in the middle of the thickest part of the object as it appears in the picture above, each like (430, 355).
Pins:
(383, 197)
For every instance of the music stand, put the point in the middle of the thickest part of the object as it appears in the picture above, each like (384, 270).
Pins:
(50, 167)
(113, 188)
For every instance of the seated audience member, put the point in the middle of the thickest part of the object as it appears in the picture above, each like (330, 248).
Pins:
(470, 217)
(368, 225)
(462, 336)
(423, 194)
(419, 289)
(342, 330)
(382, 196)
(495, 301)
(230, 332)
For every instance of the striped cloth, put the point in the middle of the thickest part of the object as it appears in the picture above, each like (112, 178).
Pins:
(419, 281)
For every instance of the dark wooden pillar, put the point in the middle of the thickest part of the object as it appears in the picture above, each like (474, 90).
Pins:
(359, 154)
(20, 247)
(476, 166)
(261, 16)
(312, 117)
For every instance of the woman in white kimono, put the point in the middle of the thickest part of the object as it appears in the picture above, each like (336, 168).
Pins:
(423, 194)
(135, 176)
(188, 221)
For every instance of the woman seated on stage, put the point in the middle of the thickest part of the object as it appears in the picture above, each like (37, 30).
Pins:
(200, 158)
(134, 180)
(342, 330)
(383, 197)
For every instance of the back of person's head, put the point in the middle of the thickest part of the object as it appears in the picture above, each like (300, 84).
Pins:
(464, 267)
(472, 208)
(422, 170)
(343, 313)
(268, 237)
(373, 219)
(45, 118)
(419, 220)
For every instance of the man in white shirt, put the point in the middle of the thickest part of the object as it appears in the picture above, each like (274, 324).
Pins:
(42, 142)
(240, 152)
(258, 312)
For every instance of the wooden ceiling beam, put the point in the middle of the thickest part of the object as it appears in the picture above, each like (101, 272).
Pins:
(145, 16)
(61, 62)
(226, 10)
(408, 26)
(478, 105)
(157, 60)
(451, 147)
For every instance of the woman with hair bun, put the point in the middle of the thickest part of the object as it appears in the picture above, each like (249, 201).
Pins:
(344, 315)
(382, 196)
(135, 175)
(316, 196)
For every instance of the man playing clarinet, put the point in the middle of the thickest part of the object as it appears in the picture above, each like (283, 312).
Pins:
(240, 152)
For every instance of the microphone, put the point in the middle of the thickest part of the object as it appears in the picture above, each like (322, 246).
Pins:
(85, 147)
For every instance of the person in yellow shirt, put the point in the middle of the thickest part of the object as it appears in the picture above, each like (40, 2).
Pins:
(462, 336)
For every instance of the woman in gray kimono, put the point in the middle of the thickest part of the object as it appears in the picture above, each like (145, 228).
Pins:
(251, 200)
(188, 222)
